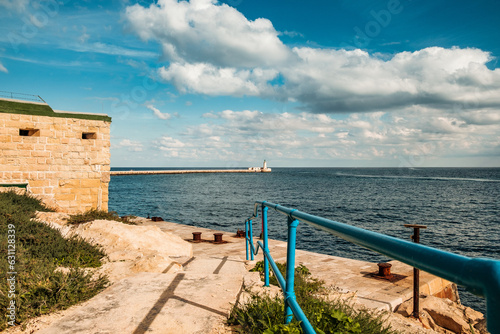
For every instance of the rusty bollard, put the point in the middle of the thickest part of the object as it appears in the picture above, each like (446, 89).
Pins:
(384, 270)
(197, 236)
(218, 237)
(240, 233)
(416, 272)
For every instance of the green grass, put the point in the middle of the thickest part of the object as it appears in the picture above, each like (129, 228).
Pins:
(94, 214)
(263, 314)
(13, 107)
(40, 288)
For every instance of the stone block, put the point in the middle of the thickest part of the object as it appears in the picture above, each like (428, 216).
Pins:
(14, 124)
(17, 139)
(5, 138)
(26, 146)
(39, 183)
(40, 154)
(90, 183)
(48, 190)
(71, 183)
(84, 199)
(64, 197)
(10, 168)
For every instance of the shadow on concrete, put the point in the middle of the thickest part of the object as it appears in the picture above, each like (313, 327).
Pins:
(221, 264)
(160, 303)
(174, 263)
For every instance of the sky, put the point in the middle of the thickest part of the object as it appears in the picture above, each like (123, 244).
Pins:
(206, 83)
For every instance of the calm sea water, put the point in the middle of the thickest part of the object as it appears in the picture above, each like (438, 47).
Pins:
(460, 206)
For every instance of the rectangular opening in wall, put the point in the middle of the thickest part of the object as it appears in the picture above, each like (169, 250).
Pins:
(89, 135)
(29, 132)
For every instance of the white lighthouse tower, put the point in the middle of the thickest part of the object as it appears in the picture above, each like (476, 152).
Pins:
(265, 168)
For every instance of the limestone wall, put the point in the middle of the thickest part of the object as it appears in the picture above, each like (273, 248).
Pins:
(64, 160)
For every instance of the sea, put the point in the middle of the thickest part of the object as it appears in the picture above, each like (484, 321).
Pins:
(459, 206)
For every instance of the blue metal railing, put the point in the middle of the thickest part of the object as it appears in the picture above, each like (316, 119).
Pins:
(479, 275)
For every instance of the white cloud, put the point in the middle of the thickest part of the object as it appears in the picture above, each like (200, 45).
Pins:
(418, 135)
(158, 113)
(202, 31)
(84, 36)
(109, 49)
(132, 146)
(17, 5)
(211, 80)
(345, 81)
(292, 34)
(3, 69)
(169, 142)
(214, 50)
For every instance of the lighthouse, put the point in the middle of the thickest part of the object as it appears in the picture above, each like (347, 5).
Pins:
(265, 168)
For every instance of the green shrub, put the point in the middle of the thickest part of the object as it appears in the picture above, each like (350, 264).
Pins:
(40, 288)
(263, 314)
(14, 204)
(94, 214)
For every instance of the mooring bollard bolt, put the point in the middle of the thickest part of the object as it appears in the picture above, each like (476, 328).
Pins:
(218, 237)
(196, 236)
(416, 277)
(384, 270)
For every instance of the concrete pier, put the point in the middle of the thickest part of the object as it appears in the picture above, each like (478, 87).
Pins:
(187, 171)
(348, 275)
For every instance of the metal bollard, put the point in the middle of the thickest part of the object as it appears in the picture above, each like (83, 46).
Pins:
(196, 236)
(384, 270)
(218, 237)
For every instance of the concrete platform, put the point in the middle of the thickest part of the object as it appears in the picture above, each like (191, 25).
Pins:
(345, 274)
(197, 299)
(183, 303)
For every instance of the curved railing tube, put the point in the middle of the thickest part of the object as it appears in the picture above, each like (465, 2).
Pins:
(479, 275)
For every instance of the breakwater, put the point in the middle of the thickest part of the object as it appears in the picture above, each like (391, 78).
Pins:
(188, 171)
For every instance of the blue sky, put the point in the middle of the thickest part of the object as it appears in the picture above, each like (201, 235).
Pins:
(200, 83)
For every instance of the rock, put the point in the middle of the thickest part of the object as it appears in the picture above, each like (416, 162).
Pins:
(405, 308)
(473, 314)
(481, 326)
(444, 316)
(130, 249)
(114, 235)
(448, 319)
(428, 322)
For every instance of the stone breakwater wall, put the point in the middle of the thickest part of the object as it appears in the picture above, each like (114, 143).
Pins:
(62, 158)
(188, 171)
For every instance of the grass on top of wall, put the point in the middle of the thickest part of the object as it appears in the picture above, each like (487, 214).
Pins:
(41, 287)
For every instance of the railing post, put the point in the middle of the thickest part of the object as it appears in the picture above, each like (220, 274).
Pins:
(246, 236)
(290, 266)
(266, 246)
(250, 239)
(416, 272)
